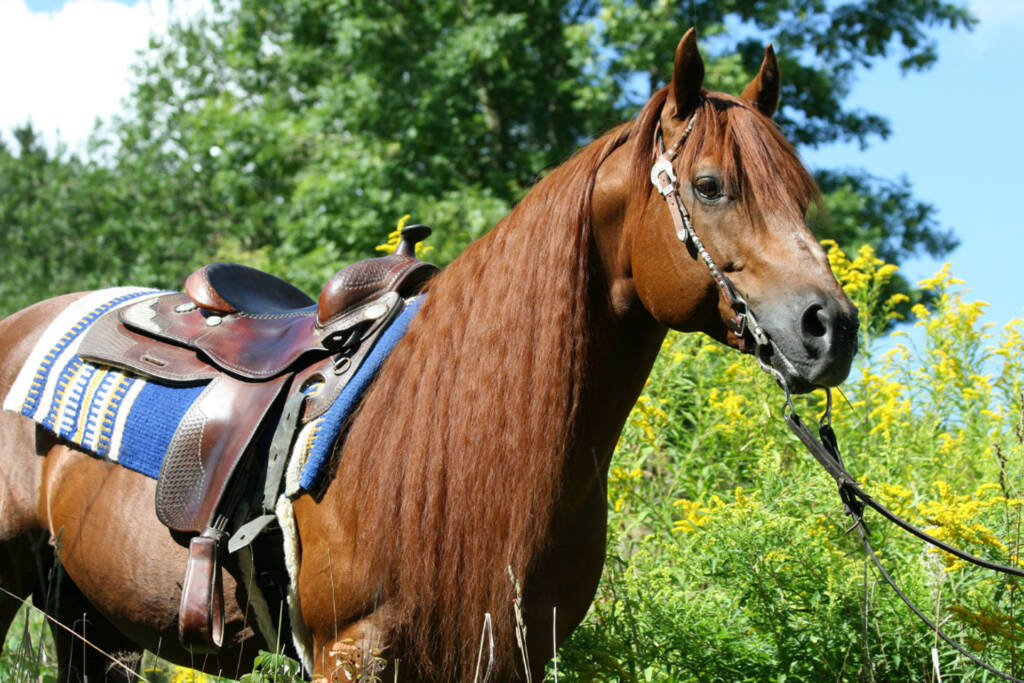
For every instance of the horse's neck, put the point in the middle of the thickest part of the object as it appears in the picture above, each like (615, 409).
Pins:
(620, 365)
(627, 338)
(530, 351)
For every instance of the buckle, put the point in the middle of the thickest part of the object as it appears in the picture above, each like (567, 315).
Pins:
(663, 165)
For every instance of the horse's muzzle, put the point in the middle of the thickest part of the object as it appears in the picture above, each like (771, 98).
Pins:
(814, 340)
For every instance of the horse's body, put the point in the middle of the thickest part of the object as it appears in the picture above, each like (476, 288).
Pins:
(482, 447)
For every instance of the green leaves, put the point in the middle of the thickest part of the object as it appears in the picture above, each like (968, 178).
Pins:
(294, 134)
(273, 668)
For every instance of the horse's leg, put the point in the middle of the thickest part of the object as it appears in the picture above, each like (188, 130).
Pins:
(357, 651)
(17, 580)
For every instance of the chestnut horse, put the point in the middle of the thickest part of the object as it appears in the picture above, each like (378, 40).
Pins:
(481, 451)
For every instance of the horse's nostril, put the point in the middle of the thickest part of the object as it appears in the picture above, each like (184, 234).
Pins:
(812, 324)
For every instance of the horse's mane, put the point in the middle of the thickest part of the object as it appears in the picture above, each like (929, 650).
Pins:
(457, 452)
(453, 465)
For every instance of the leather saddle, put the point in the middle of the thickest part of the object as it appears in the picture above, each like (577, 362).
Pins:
(257, 343)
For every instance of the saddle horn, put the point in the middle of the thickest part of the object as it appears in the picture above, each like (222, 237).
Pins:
(411, 236)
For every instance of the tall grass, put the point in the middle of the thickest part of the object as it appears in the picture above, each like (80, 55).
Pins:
(728, 552)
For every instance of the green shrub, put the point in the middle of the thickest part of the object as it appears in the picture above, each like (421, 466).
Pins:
(728, 552)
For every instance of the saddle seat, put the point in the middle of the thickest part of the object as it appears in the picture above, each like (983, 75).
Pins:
(231, 288)
(256, 326)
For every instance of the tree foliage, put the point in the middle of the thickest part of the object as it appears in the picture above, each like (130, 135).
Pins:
(291, 134)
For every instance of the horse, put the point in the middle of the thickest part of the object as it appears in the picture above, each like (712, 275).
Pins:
(470, 487)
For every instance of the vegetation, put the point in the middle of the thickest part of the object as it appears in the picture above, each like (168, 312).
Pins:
(286, 133)
(729, 557)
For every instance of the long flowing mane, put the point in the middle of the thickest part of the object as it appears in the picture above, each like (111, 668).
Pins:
(458, 447)
(454, 464)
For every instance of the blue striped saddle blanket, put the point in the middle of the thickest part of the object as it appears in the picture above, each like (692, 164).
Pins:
(130, 420)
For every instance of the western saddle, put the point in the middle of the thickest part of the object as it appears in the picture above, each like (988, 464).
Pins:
(258, 343)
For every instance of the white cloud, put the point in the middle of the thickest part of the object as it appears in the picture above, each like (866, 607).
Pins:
(61, 70)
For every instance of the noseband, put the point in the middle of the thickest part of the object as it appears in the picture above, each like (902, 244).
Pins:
(824, 447)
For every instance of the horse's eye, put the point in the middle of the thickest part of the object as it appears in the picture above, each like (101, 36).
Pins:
(708, 187)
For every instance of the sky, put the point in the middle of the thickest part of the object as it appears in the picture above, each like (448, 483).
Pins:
(67, 62)
(957, 129)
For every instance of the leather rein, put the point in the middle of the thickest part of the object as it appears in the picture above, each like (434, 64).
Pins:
(823, 446)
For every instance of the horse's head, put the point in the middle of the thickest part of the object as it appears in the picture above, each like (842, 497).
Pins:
(746, 194)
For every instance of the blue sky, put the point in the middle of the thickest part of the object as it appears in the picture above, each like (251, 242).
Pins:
(958, 135)
(956, 128)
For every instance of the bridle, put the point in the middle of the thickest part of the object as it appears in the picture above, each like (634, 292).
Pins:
(752, 337)
(663, 177)
(824, 447)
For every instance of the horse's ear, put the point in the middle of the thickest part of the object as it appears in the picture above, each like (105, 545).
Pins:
(763, 91)
(687, 77)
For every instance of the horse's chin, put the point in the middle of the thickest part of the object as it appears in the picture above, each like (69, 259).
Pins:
(795, 377)
(781, 367)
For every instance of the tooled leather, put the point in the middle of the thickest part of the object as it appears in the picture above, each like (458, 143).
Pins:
(108, 342)
(334, 382)
(361, 281)
(259, 347)
(158, 317)
(217, 430)
(179, 488)
(256, 348)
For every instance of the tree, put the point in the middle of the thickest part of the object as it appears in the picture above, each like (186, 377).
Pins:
(57, 224)
(291, 134)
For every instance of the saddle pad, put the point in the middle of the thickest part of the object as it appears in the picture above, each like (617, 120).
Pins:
(315, 443)
(113, 414)
(124, 418)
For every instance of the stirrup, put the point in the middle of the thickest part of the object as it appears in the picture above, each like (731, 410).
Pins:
(201, 612)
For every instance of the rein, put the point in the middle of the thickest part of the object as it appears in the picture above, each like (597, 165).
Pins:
(824, 446)
(825, 450)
